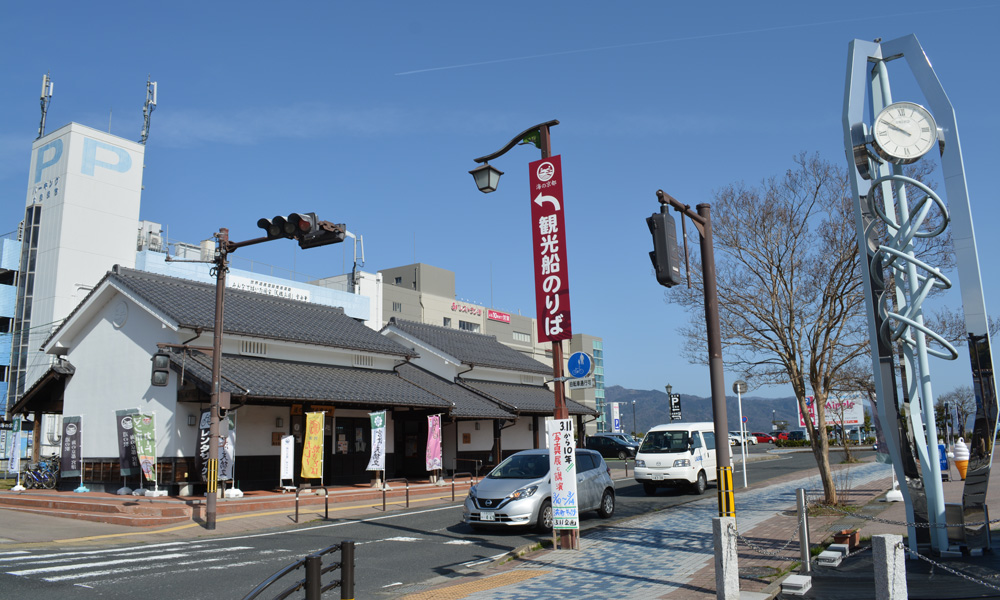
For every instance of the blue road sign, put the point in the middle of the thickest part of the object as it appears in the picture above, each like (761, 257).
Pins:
(580, 364)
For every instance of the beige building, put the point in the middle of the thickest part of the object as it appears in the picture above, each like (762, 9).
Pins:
(426, 294)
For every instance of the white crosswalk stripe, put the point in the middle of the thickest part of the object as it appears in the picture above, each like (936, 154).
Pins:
(89, 565)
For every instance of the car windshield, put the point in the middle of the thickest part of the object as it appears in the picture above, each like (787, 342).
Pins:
(522, 466)
(665, 441)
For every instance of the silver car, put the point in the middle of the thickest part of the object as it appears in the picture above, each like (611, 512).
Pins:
(518, 491)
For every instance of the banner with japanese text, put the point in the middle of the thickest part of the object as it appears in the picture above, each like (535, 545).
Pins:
(70, 461)
(14, 462)
(128, 460)
(227, 447)
(288, 457)
(377, 462)
(562, 466)
(548, 231)
(145, 444)
(312, 448)
(433, 442)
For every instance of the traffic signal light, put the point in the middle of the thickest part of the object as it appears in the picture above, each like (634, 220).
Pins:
(304, 227)
(666, 259)
(161, 369)
(294, 226)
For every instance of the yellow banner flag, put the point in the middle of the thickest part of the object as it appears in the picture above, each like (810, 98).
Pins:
(312, 449)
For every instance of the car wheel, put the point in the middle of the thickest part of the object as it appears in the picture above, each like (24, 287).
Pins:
(544, 524)
(700, 484)
(622, 455)
(649, 488)
(607, 505)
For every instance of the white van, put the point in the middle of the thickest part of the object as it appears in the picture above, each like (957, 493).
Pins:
(677, 454)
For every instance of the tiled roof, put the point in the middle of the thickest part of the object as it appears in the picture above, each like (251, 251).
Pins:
(277, 380)
(471, 348)
(525, 399)
(192, 305)
(467, 404)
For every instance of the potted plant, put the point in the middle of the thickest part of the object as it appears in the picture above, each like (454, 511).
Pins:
(851, 537)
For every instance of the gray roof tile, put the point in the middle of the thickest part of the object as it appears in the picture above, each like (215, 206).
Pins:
(280, 380)
(471, 348)
(468, 404)
(192, 305)
(525, 399)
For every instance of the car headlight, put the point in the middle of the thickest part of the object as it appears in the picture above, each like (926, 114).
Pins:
(525, 492)
(640, 463)
(682, 462)
(472, 491)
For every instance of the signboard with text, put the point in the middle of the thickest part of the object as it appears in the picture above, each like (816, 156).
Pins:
(844, 410)
(562, 466)
(548, 227)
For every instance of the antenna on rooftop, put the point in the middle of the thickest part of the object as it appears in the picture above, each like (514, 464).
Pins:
(47, 86)
(147, 109)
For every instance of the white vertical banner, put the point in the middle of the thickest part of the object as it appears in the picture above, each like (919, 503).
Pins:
(562, 466)
(377, 462)
(287, 457)
(14, 463)
(616, 418)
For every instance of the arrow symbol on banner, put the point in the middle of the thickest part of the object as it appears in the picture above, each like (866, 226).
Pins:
(541, 199)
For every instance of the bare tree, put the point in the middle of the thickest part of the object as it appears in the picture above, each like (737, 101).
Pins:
(791, 300)
(963, 402)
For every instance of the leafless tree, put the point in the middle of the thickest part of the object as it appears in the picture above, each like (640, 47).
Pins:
(791, 300)
(963, 402)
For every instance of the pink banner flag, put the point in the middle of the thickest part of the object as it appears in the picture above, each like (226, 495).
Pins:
(433, 442)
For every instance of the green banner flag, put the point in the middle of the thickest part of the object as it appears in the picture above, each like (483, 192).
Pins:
(145, 444)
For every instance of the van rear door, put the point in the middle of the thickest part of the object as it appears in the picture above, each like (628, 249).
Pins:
(711, 455)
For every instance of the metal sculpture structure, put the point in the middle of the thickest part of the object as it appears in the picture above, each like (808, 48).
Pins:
(889, 225)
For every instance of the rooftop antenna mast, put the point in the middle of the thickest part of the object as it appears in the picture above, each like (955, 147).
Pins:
(147, 109)
(47, 86)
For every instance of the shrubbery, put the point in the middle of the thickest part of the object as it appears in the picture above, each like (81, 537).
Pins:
(791, 443)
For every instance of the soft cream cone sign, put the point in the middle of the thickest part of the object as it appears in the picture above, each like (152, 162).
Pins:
(961, 457)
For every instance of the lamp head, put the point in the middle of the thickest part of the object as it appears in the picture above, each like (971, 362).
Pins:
(487, 177)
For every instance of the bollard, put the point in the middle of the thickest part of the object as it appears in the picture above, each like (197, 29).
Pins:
(890, 567)
(727, 568)
(314, 574)
(803, 514)
(347, 570)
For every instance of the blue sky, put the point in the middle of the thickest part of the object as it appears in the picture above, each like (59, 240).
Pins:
(371, 113)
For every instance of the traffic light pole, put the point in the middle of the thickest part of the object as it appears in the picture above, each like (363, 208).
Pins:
(703, 221)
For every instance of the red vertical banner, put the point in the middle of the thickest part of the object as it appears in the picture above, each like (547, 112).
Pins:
(548, 227)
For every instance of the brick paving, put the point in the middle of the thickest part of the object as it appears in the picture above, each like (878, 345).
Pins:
(670, 553)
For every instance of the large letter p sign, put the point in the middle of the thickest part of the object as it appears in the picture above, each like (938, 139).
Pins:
(56, 148)
(90, 147)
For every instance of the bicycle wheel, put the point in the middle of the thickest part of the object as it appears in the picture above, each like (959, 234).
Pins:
(49, 480)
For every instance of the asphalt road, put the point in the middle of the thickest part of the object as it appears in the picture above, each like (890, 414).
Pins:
(394, 552)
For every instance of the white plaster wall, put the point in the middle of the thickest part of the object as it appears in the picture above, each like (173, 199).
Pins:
(518, 436)
(113, 371)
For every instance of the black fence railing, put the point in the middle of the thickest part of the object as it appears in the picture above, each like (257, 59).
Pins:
(312, 584)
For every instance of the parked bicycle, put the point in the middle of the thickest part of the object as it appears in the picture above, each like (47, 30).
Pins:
(44, 474)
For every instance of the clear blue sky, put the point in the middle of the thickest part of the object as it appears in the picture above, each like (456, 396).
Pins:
(370, 113)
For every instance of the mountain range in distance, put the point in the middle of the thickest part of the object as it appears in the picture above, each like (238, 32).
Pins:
(653, 408)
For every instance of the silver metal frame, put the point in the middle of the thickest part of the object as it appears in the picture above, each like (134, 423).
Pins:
(905, 418)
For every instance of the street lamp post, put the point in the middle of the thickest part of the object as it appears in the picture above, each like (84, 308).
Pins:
(487, 178)
(635, 425)
(739, 387)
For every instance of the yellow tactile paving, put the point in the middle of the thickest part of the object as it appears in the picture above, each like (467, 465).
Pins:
(463, 590)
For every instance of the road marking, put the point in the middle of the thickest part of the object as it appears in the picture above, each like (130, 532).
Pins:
(488, 559)
(243, 516)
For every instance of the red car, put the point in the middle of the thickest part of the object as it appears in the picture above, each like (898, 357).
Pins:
(782, 435)
(763, 438)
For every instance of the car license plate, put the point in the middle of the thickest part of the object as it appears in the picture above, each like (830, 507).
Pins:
(657, 477)
(487, 516)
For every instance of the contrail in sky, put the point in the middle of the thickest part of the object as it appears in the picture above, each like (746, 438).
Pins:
(677, 39)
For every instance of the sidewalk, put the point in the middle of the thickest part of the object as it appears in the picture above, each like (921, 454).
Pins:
(670, 554)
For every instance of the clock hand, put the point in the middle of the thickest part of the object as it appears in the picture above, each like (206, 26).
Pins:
(897, 128)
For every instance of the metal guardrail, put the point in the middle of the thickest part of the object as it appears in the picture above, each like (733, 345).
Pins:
(312, 583)
(454, 475)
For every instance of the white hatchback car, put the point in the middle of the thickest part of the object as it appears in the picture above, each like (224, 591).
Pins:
(518, 491)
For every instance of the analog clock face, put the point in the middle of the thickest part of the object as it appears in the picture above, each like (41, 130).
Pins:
(903, 132)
